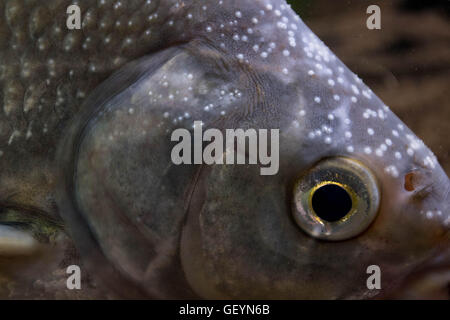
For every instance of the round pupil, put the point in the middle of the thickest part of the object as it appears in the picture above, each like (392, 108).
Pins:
(331, 202)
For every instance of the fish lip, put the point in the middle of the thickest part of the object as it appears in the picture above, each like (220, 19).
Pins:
(429, 280)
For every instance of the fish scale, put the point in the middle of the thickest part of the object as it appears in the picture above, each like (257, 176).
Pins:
(48, 70)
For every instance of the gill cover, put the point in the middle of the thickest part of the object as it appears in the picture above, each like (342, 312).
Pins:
(121, 194)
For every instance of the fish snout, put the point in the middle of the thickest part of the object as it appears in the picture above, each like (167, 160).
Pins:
(429, 192)
(431, 279)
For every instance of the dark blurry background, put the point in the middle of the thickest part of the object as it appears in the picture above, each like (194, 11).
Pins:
(406, 63)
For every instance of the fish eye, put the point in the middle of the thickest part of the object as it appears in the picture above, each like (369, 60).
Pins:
(332, 201)
(337, 199)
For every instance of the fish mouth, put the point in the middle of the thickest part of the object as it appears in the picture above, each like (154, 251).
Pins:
(428, 281)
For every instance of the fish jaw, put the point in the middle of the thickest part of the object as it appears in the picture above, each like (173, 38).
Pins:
(411, 235)
(430, 279)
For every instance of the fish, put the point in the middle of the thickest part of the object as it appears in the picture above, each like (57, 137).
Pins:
(86, 176)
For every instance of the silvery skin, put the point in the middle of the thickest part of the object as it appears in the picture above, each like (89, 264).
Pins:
(85, 156)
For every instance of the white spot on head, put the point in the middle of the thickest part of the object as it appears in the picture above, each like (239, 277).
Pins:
(379, 152)
(281, 25)
(392, 170)
(381, 114)
(367, 94)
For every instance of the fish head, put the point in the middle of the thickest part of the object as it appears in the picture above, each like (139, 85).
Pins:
(354, 187)
(250, 235)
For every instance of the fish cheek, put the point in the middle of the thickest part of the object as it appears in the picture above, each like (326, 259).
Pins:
(240, 241)
(221, 248)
